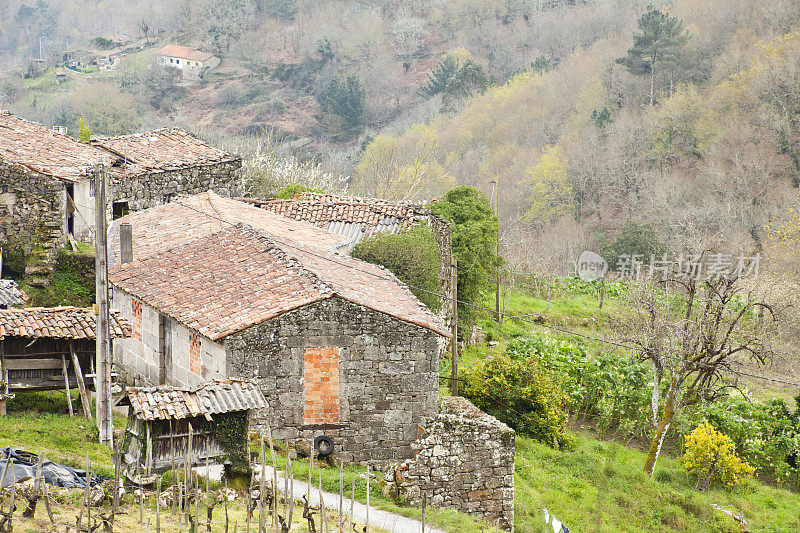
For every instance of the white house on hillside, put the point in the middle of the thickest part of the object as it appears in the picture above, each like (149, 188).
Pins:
(189, 61)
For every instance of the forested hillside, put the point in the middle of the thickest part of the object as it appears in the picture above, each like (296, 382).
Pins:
(583, 125)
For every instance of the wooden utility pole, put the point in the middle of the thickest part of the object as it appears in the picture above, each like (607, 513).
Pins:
(497, 250)
(102, 377)
(454, 327)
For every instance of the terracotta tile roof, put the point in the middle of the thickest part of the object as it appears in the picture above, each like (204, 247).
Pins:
(219, 266)
(159, 150)
(11, 294)
(212, 397)
(31, 146)
(222, 283)
(58, 323)
(352, 217)
(184, 52)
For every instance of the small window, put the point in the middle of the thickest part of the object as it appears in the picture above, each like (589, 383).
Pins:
(119, 210)
(177, 61)
(171, 60)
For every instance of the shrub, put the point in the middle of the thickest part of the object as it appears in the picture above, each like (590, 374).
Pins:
(766, 434)
(294, 190)
(611, 388)
(524, 394)
(711, 457)
(412, 256)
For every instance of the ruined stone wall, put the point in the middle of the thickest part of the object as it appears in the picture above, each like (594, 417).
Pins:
(157, 188)
(465, 460)
(361, 377)
(32, 211)
(441, 232)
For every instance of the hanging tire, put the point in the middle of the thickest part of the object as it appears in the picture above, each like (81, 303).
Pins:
(324, 445)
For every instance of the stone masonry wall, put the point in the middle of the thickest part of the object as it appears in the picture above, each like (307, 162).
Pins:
(387, 377)
(158, 188)
(465, 460)
(32, 211)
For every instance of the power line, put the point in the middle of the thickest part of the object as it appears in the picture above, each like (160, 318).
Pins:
(521, 318)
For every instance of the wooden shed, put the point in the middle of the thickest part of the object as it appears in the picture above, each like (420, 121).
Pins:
(216, 413)
(51, 348)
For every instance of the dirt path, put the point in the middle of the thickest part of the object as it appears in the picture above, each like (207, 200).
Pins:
(394, 523)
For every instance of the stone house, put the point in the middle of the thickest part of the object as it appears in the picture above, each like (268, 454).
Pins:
(189, 61)
(47, 189)
(219, 288)
(356, 219)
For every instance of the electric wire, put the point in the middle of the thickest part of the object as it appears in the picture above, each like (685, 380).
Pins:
(521, 318)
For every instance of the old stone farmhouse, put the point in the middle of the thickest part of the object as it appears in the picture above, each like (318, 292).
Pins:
(47, 190)
(219, 288)
(356, 219)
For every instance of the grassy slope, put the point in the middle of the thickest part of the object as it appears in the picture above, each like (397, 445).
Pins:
(600, 486)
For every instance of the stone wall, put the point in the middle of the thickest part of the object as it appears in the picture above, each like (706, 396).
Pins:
(387, 377)
(441, 232)
(465, 460)
(138, 362)
(32, 211)
(158, 188)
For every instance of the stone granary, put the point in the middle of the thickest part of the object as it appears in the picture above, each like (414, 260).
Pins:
(220, 288)
(217, 412)
(51, 348)
(47, 189)
(356, 219)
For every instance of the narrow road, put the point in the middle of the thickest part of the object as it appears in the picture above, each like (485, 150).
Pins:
(394, 523)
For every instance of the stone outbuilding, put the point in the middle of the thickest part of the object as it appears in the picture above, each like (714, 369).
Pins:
(47, 187)
(221, 288)
(464, 460)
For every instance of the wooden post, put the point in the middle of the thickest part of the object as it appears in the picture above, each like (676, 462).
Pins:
(454, 329)
(66, 384)
(341, 492)
(310, 468)
(3, 375)
(76, 367)
(174, 479)
(158, 505)
(424, 502)
(88, 488)
(261, 518)
(352, 500)
(102, 377)
(148, 457)
(274, 479)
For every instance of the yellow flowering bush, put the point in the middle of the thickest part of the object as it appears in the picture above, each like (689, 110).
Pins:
(710, 456)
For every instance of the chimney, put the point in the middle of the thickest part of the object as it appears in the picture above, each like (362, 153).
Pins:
(125, 242)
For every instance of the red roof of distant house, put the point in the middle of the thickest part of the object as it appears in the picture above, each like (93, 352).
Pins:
(184, 52)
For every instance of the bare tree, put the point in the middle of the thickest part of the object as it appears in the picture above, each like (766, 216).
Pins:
(697, 339)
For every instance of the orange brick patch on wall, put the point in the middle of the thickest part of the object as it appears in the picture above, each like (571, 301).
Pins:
(195, 363)
(136, 319)
(321, 373)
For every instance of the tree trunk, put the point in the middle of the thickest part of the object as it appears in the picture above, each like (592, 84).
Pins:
(661, 430)
(652, 84)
